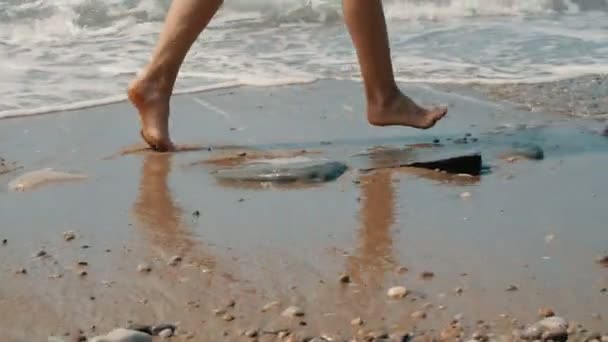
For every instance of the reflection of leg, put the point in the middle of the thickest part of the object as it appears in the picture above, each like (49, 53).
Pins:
(377, 217)
(154, 206)
(386, 105)
(151, 92)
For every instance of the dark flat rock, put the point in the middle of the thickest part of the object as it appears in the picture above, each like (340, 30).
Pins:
(306, 172)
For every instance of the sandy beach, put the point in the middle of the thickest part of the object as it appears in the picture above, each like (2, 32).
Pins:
(150, 238)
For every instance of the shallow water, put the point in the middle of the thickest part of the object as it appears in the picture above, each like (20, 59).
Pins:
(71, 53)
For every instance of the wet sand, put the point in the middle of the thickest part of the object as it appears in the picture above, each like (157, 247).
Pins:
(535, 224)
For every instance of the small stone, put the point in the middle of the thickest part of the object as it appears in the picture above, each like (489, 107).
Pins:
(175, 260)
(465, 195)
(41, 254)
(441, 307)
(550, 328)
(83, 263)
(82, 273)
(251, 333)
(270, 305)
(219, 312)
(418, 315)
(144, 268)
(458, 290)
(228, 318)
(596, 316)
(165, 334)
(69, 235)
(85, 246)
(344, 278)
(21, 271)
(427, 275)
(4, 241)
(546, 312)
(397, 292)
(401, 270)
(283, 334)
(230, 303)
(512, 288)
(196, 213)
(602, 260)
(157, 329)
(356, 321)
(293, 311)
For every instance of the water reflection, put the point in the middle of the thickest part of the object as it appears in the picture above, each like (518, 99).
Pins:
(157, 215)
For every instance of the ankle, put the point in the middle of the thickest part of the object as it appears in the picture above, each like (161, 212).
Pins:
(157, 81)
(380, 100)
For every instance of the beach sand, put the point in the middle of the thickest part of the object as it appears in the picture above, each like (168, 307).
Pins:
(534, 226)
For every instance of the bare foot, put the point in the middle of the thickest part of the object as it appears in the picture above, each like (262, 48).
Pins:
(403, 111)
(153, 107)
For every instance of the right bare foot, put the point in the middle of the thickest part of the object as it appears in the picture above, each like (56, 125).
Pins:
(403, 111)
(153, 108)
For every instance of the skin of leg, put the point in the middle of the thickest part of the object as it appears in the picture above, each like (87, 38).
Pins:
(386, 105)
(151, 92)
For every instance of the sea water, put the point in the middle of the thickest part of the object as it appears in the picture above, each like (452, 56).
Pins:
(64, 54)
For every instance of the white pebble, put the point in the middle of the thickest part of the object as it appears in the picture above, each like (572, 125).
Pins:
(144, 268)
(397, 292)
(465, 195)
(165, 333)
(293, 311)
(124, 335)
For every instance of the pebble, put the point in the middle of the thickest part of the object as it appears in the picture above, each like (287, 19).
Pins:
(4, 241)
(550, 328)
(123, 335)
(427, 275)
(512, 288)
(270, 305)
(175, 260)
(356, 321)
(69, 235)
(21, 271)
(546, 312)
(397, 292)
(458, 290)
(165, 334)
(465, 195)
(144, 268)
(251, 333)
(41, 253)
(418, 315)
(344, 278)
(603, 260)
(293, 311)
(228, 318)
(82, 273)
(159, 328)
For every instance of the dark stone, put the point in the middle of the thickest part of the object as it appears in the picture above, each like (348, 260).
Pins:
(469, 164)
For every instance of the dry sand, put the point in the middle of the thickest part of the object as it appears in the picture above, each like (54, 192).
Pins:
(501, 246)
